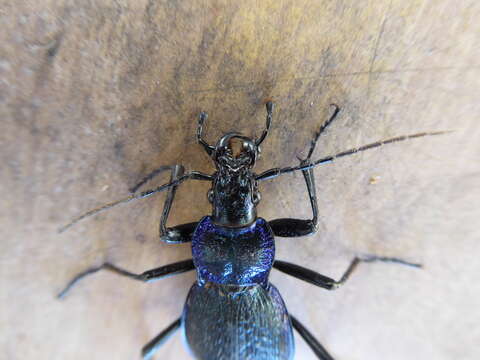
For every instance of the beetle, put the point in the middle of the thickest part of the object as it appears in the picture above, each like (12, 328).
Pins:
(232, 310)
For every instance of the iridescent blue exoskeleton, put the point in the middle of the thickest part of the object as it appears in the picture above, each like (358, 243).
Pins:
(232, 311)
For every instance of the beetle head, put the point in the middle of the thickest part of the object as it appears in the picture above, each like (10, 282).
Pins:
(234, 152)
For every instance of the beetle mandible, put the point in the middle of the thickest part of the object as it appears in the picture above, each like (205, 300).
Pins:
(232, 311)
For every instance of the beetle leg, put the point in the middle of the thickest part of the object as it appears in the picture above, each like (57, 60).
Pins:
(180, 233)
(270, 106)
(149, 275)
(328, 283)
(149, 349)
(321, 130)
(193, 175)
(209, 149)
(317, 348)
(153, 174)
(288, 227)
(297, 227)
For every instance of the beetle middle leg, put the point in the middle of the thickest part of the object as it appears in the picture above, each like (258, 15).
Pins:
(289, 227)
(147, 276)
(325, 282)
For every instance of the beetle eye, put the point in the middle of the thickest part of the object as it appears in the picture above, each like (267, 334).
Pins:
(256, 197)
(210, 196)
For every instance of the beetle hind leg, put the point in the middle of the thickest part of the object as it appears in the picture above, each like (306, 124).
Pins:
(153, 345)
(316, 347)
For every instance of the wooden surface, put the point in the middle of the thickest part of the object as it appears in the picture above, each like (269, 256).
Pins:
(95, 94)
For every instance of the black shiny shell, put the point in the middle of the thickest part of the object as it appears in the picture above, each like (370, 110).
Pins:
(224, 322)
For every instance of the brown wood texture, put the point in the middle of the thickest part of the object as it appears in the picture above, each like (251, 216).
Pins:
(95, 94)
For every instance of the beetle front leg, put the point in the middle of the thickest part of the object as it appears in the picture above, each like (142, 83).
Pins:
(180, 233)
(289, 227)
(151, 176)
(298, 227)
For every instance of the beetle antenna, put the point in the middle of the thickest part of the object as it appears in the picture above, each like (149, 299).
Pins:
(272, 173)
(374, 145)
(201, 121)
(270, 105)
(142, 195)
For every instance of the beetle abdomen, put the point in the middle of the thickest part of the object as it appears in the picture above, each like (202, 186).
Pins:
(237, 323)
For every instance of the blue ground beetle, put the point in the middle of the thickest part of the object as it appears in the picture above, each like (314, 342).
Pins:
(232, 311)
